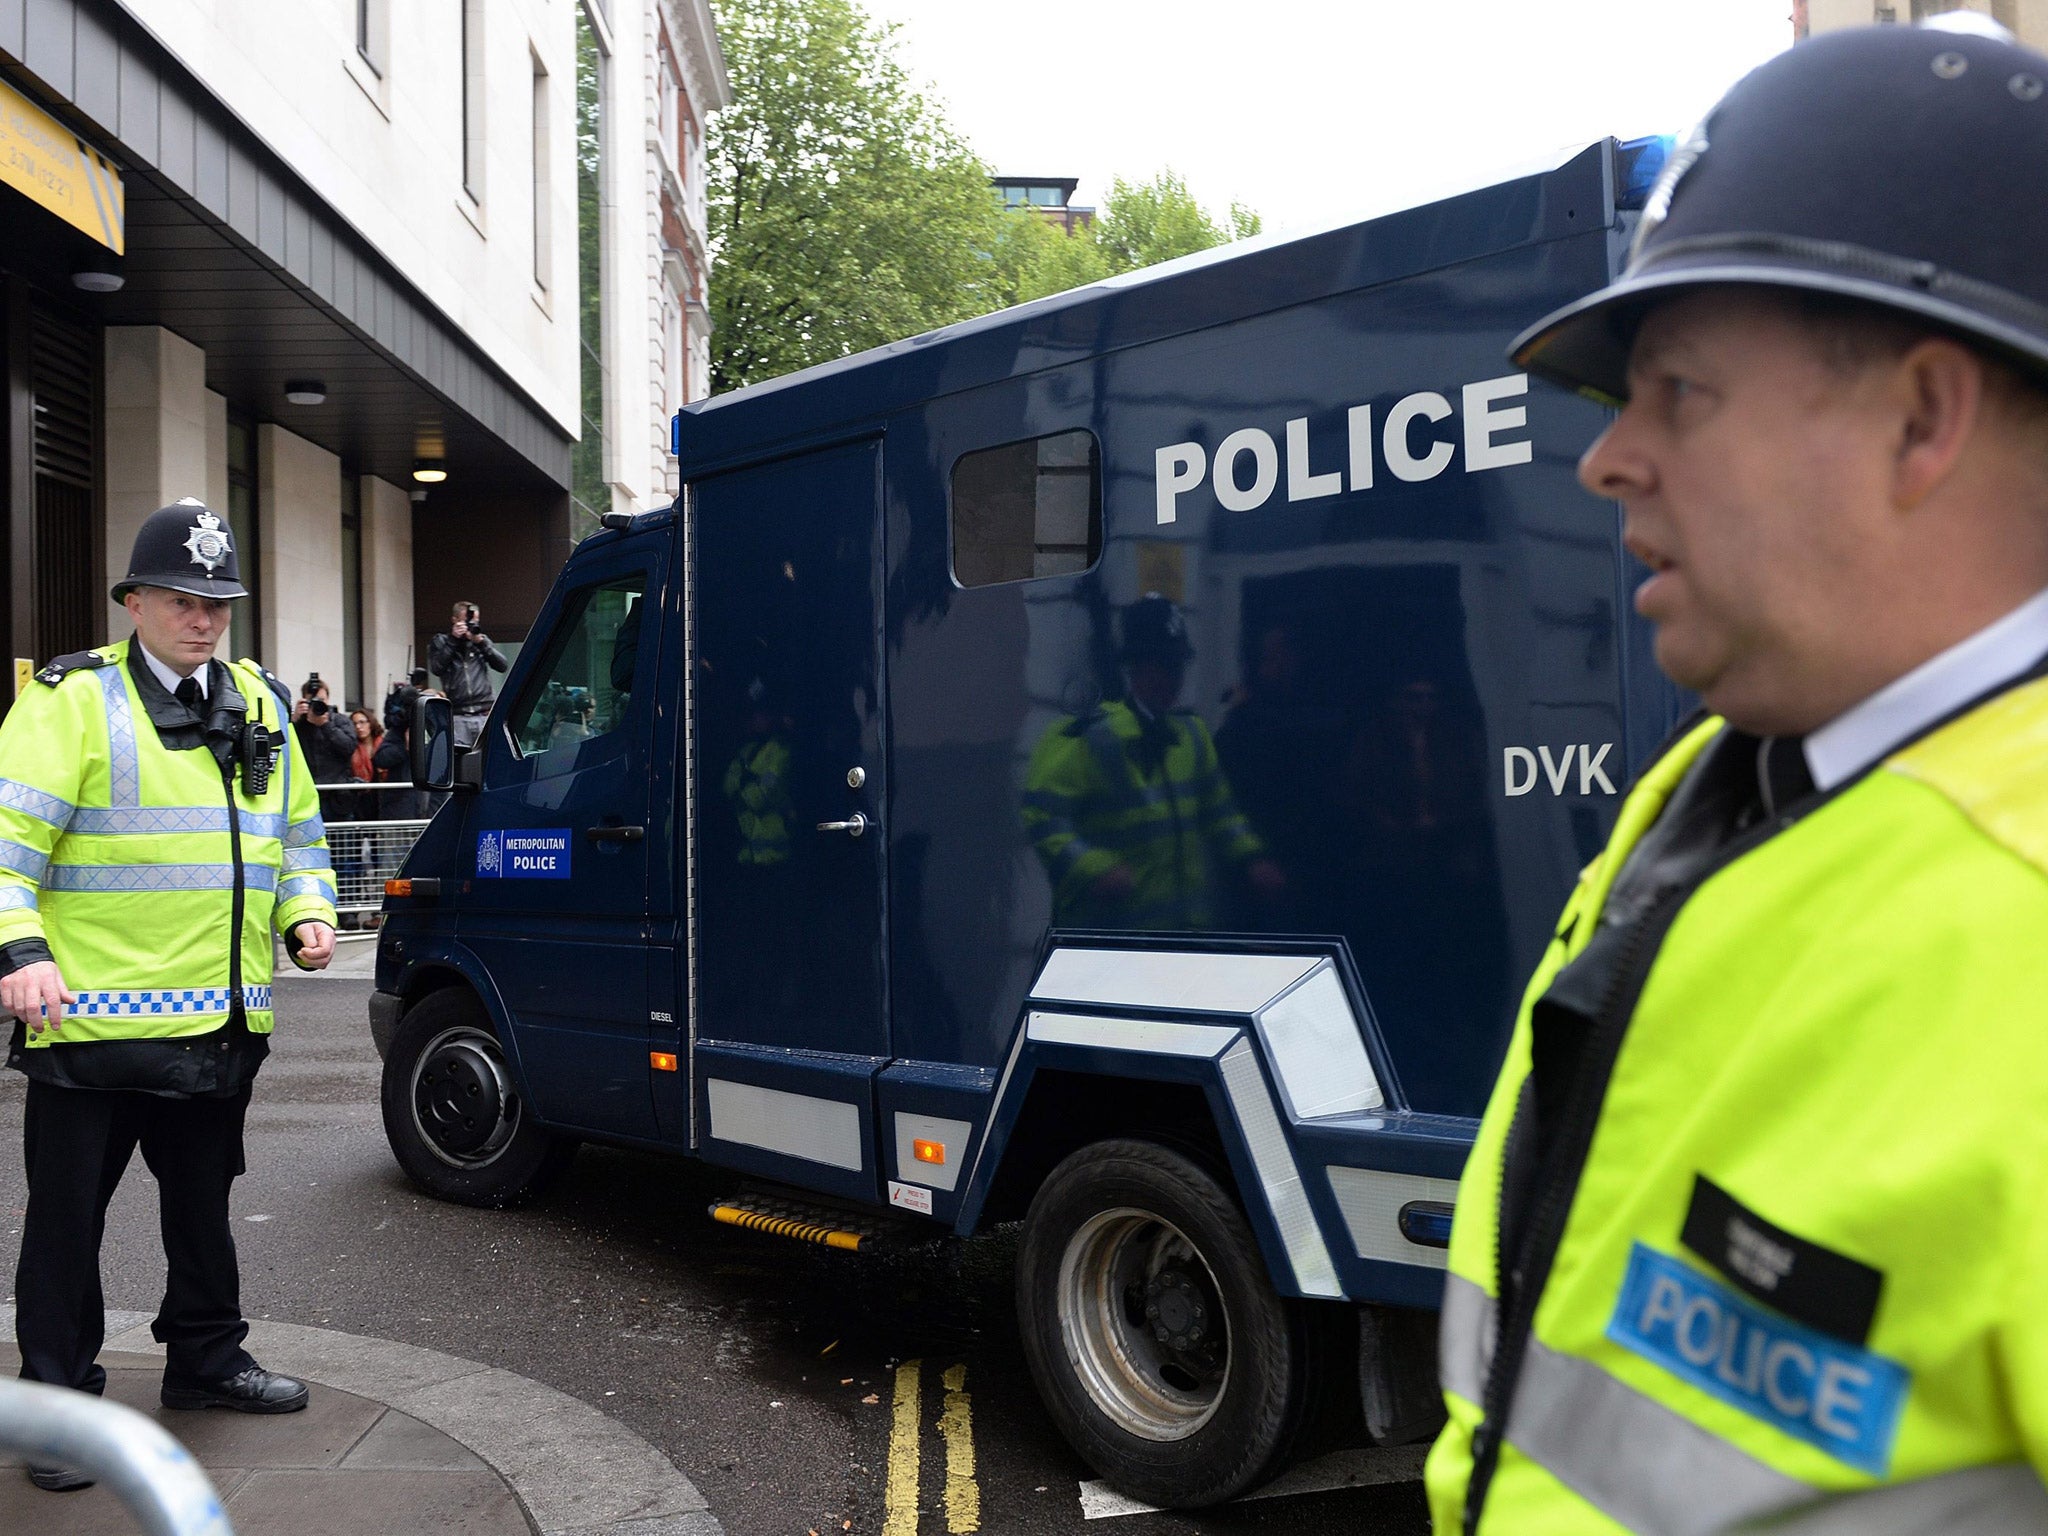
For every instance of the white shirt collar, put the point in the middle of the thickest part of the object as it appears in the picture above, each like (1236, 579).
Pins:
(169, 678)
(1865, 732)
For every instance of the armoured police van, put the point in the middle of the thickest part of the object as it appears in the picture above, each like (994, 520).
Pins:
(1108, 765)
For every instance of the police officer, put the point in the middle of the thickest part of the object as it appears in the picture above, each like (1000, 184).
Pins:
(1755, 1231)
(1127, 805)
(155, 825)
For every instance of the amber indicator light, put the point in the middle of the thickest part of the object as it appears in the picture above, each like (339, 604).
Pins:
(929, 1151)
(397, 887)
(662, 1061)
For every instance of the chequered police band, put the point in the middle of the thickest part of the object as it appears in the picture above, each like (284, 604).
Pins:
(105, 1005)
(116, 878)
(303, 834)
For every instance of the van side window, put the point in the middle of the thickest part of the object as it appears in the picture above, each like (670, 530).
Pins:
(1027, 509)
(584, 688)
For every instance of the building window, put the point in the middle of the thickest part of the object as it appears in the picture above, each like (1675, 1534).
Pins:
(671, 355)
(671, 113)
(373, 33)
(588, 488)
(1027, 509)
(540, 174)
(352, 591)
(473, 98)
(243, 524)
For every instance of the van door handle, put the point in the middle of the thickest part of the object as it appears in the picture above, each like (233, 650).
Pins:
(853, 826)
(615, 834)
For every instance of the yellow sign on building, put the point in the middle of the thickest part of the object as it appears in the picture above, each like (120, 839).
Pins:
(47, 162)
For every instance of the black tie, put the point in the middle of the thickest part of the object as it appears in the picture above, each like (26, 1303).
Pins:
(188, 693)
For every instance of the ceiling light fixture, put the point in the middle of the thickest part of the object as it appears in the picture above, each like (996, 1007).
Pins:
(305, 392)
(94, 281)
(429, 471)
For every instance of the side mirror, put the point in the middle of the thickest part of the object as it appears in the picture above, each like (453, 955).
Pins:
(432, 742)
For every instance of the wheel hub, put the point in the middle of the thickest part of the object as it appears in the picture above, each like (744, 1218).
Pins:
(1175, 1310)
(1144, 1324)
(462, 1098)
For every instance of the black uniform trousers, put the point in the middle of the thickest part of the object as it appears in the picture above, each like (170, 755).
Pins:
(78, 1143)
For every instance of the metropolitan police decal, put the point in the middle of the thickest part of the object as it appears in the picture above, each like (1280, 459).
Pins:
(1842, 1399)
(530, 853)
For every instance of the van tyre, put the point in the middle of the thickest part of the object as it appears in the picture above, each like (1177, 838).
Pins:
(1159, 1346)
(454, 1117)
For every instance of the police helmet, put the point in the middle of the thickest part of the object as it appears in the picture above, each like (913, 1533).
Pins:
(184, 547)
(1898, 166)
(1155, 630)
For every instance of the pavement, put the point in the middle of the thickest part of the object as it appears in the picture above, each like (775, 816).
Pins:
(395, 1440)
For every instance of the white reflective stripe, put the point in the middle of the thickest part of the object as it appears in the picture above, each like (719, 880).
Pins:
(1371, 1200)
(30, 801)
(798, 1125)
(996, 1103)
(1158, 978)
(305, 885)
(1464, 1338)
(124, 765)
(1653, 1470)
(2003, 1500)
(1154, 1037)
(303, 834)
(23, 860)
(105, 878)
(1279, 1175)
(305, 858)
(1317, 1049)
(138, 820)
(15, 897)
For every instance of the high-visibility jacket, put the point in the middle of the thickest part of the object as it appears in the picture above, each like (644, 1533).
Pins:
(1100, 794)
(1802, 1277)
(121, 856)
(757, 784)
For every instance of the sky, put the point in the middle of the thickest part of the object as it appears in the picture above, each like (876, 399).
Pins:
(1317, 111)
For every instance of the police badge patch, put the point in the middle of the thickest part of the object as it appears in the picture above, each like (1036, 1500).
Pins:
(208, 542)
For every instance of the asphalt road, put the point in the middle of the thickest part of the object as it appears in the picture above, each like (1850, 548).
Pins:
(768, 1370)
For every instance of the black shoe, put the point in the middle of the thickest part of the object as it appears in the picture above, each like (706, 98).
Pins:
(253, 1391)
(58, 1479)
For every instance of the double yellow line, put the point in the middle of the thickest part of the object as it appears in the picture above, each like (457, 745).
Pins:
(956, 1430)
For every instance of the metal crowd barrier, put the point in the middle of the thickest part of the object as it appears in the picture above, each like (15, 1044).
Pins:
(163, 1487)
(367, 849)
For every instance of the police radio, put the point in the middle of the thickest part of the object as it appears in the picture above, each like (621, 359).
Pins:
(256, 748)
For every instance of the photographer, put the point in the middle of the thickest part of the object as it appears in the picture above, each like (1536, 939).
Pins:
(328, 744)
(464, 659)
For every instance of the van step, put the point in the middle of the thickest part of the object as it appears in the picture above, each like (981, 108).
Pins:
(780, 1216)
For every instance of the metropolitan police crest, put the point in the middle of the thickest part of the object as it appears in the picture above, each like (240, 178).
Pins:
(489, 854)
(208, 542)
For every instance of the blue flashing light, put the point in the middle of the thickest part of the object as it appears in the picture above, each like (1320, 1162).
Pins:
(675, 434)
(1637, 164)
(1427, 1222)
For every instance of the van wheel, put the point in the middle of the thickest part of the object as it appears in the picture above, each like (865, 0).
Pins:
(1156, 1340)
(454, 1119)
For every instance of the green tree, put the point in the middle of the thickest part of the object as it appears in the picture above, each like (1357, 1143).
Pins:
(844, 210)
(1140, 224)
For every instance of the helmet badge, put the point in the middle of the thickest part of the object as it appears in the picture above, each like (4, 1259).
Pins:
(1658, 208)
(208, 542)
